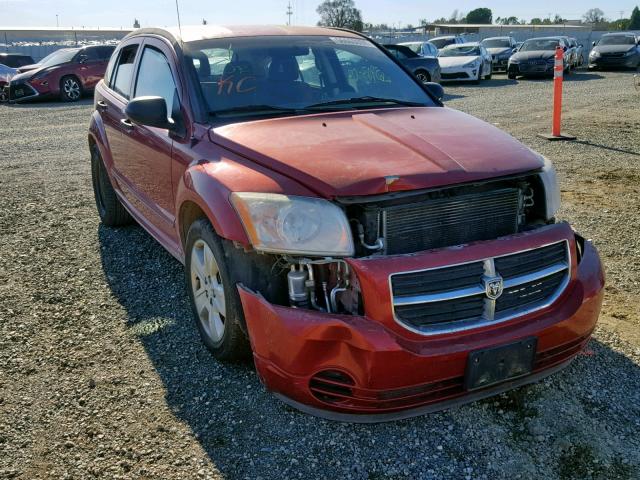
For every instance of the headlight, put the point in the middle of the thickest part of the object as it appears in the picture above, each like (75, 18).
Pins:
(551, 188)
(514, 61)
(629, 53)
(594, 54)
(296, 225)
(41, 73)
(471, 64)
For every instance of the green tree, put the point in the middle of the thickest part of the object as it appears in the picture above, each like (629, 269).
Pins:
(341, 14)
(634, 21)
(480, 15)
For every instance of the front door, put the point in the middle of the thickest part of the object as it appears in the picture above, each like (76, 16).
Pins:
(146, 163)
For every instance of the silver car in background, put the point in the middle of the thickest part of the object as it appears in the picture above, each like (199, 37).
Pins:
(501, 49)
(424, 49)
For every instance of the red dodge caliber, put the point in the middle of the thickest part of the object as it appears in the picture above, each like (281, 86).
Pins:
(379, 255)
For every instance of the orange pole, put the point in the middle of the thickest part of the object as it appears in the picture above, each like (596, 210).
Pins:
(558, 69)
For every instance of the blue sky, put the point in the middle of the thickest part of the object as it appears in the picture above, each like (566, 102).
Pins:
(118, 13)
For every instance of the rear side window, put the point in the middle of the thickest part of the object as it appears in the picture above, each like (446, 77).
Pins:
(123, 72)
(92, 54)
(155, 77)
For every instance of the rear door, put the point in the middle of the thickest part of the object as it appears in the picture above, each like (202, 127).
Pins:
(89, 67)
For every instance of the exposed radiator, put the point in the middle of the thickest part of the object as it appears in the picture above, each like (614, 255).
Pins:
(452, 220)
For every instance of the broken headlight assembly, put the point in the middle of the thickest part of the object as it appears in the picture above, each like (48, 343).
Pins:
(551, 189)
(294, 225)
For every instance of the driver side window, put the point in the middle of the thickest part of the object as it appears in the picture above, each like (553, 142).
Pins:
(155, 78)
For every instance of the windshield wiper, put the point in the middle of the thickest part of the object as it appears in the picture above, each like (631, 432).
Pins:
(254, 110)
(364, 100)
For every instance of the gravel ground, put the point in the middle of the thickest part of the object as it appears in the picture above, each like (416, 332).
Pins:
(103, 374)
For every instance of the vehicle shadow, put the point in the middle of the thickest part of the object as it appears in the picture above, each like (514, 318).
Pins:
(247, 433)
(608, 147)
(49, 103)
(451, 96)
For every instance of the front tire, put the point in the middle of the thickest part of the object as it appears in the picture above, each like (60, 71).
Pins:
(111, 211)
(477, 80)
(70, 89)
(215, 301)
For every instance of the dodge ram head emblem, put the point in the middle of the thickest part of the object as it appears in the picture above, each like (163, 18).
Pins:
(493, 287)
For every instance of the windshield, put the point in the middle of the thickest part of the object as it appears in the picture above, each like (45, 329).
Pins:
(56, 58)
(496, 43)
(464, 51)
(539, 44)
(617, 40)
(294, 74)
(442, 42)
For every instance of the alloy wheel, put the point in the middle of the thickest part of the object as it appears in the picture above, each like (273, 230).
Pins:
(71, 88)
(208, 291)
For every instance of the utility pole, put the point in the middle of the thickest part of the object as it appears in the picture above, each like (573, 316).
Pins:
(289, 13)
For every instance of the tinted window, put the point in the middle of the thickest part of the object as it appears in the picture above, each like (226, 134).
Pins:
(617, 40)
(104, 53)
(91, 54)
(121, 82)
(496, 43)
(15, 61)
(539, 44)
(443, 42)
(155, 78)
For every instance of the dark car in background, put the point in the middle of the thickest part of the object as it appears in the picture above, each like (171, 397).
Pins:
(616, 50)
(6, 73)
(501, 49)
(427, 69)
(535, 58)
(15, 60)
(67, 74)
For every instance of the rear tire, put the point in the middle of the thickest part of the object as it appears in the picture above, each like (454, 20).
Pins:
(70, 89)
(511, 76)
(423, 76)
(111, 211)
(488, 77)
(215, 300)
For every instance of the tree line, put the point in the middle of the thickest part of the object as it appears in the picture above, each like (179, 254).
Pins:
(345, 14)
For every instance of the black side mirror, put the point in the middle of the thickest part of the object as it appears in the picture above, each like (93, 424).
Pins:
(564, 48)
(593, 44)
(149, 111)
(435, 89)
(83, 59)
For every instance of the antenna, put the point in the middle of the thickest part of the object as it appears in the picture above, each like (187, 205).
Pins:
(178, 12)
(289, 13)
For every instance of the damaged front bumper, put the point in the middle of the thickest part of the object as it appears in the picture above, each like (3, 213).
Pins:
(371, 368)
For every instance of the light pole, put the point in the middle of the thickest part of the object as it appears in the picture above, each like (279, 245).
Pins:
(57, 22)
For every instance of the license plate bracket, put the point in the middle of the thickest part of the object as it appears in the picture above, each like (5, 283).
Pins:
(498, 364)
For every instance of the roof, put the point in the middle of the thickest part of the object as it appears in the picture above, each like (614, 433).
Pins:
(465, 44)
(191, 33)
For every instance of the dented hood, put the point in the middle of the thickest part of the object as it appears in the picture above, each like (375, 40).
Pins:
(378, 151)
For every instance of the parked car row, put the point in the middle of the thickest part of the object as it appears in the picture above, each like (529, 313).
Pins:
(67, 73)
(473, 61)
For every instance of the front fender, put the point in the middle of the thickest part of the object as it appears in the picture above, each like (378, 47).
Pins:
(208, 184)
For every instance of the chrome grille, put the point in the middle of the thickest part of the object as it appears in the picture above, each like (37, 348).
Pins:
(454, 298)
(451, 220)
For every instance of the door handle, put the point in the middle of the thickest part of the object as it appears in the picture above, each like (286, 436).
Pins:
(101, 106)
(126, 123)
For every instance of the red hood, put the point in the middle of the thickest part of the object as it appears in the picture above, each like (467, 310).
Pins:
(348, 153)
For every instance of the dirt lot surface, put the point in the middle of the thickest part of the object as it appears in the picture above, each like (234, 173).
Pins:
(103, 375)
